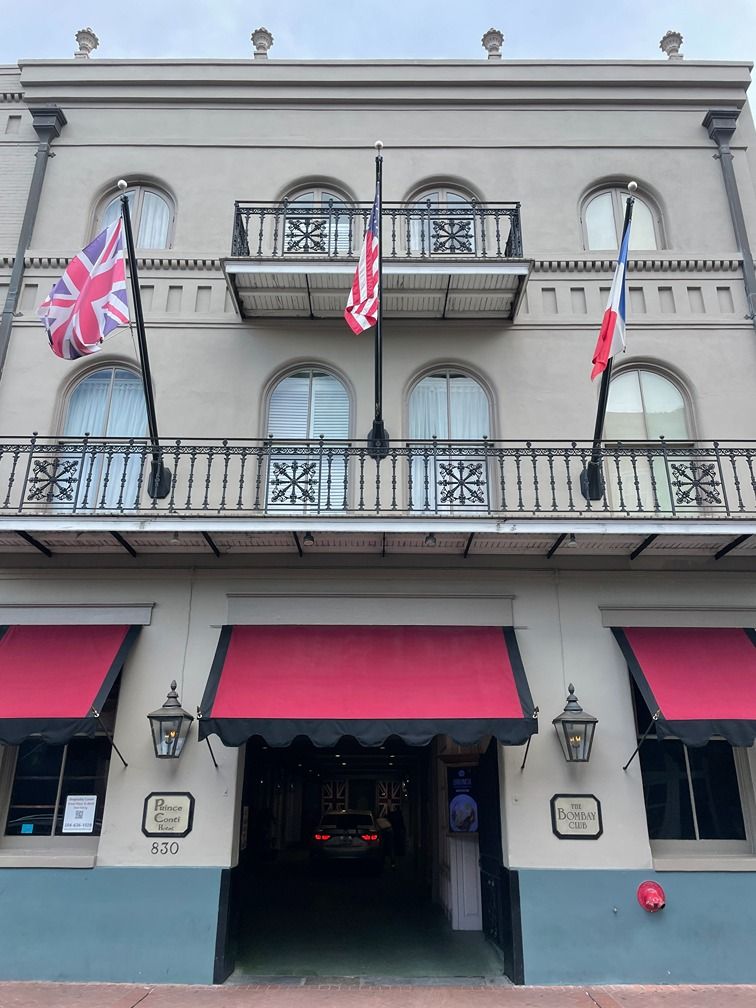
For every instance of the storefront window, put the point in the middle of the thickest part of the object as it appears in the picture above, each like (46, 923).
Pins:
(690, 793)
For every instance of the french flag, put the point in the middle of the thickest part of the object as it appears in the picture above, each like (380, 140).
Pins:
(611, 338)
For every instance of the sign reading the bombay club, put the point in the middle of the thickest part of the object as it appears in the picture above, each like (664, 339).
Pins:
(168, 813)
(576, 817)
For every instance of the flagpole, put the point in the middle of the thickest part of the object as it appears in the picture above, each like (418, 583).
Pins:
(378, 438)
(160, 478)
(591, 479)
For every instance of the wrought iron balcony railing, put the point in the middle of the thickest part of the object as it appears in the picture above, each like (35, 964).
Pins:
(502, 479)
(334, 231)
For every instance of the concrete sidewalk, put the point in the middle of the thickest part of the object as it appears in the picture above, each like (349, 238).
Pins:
(306, 994)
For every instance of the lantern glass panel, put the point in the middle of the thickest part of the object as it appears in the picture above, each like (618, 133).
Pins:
(576, 738)
(169, 735)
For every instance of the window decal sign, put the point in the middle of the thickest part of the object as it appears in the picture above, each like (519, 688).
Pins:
(576, 817)
(79, 815)
(168, 813)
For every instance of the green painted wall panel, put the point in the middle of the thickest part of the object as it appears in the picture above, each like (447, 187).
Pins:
(152, 925)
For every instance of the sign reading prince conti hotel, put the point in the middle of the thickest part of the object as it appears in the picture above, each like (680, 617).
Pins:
(168, 813)
(576, 817)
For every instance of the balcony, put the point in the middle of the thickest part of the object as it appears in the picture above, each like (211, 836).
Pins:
(230, 496)
(293, 260)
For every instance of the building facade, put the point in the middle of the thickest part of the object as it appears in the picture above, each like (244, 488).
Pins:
(250, 184)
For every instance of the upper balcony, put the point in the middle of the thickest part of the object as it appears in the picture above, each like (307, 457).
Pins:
(297, 260)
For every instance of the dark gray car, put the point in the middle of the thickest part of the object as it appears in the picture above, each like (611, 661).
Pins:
(351, 835)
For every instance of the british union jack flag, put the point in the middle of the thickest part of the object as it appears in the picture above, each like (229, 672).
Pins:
(89, 301)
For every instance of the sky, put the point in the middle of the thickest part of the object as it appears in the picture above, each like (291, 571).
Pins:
(394, 29)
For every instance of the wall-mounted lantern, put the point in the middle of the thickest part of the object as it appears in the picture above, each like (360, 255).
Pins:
(170, 726)
(575, 730)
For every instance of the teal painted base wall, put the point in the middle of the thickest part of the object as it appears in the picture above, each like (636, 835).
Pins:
(571, 933)
(151, 925)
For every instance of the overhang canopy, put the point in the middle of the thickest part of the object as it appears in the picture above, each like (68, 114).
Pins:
(702, 681)
(369, 682)
(414, 289)
(52, 677)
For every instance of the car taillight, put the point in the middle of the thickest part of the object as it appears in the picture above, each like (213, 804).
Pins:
(369, 836)
(322, 836)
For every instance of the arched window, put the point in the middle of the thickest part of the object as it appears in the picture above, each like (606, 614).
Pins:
(644, 406)
(108, 404)
(451, 407)
(308, 405)
(442, 222)
(151, 216)
(603, 217)
(318, 220)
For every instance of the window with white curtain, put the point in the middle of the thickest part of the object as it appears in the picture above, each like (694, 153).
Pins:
(312, 407)
(318, 221)
(109, 404)
(151, 215)
(442, 222)
(604, 216)
(452, 408)
(644, 406)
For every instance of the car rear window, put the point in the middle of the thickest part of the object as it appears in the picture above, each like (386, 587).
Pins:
(349, 820)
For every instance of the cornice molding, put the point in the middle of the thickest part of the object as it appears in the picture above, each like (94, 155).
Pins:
(147, 263)
(637, 265)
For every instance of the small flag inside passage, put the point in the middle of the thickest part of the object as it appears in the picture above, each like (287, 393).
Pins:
(89, 301)
(611, 338)
(361, 310)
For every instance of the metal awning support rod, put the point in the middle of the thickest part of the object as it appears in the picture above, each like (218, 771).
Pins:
(644, 736)
(211, 543)
(738, 541)
(96, 713)
(644, 545)
(536, 712)
(555, 545)
(34, 542)
(122, 542)
(210, 748)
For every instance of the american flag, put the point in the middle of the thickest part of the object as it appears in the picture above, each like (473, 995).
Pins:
(89, 301)
(361, 311)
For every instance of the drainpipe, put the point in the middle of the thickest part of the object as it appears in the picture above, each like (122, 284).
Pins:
(721, 125)
(47, 123)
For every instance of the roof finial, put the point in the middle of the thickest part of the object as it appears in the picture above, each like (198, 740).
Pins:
(492, 42)
(262, 40)
(88, 42)
(670, 46)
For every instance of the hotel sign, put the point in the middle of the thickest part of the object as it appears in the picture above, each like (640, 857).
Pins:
(168, 814)
(576, 817)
